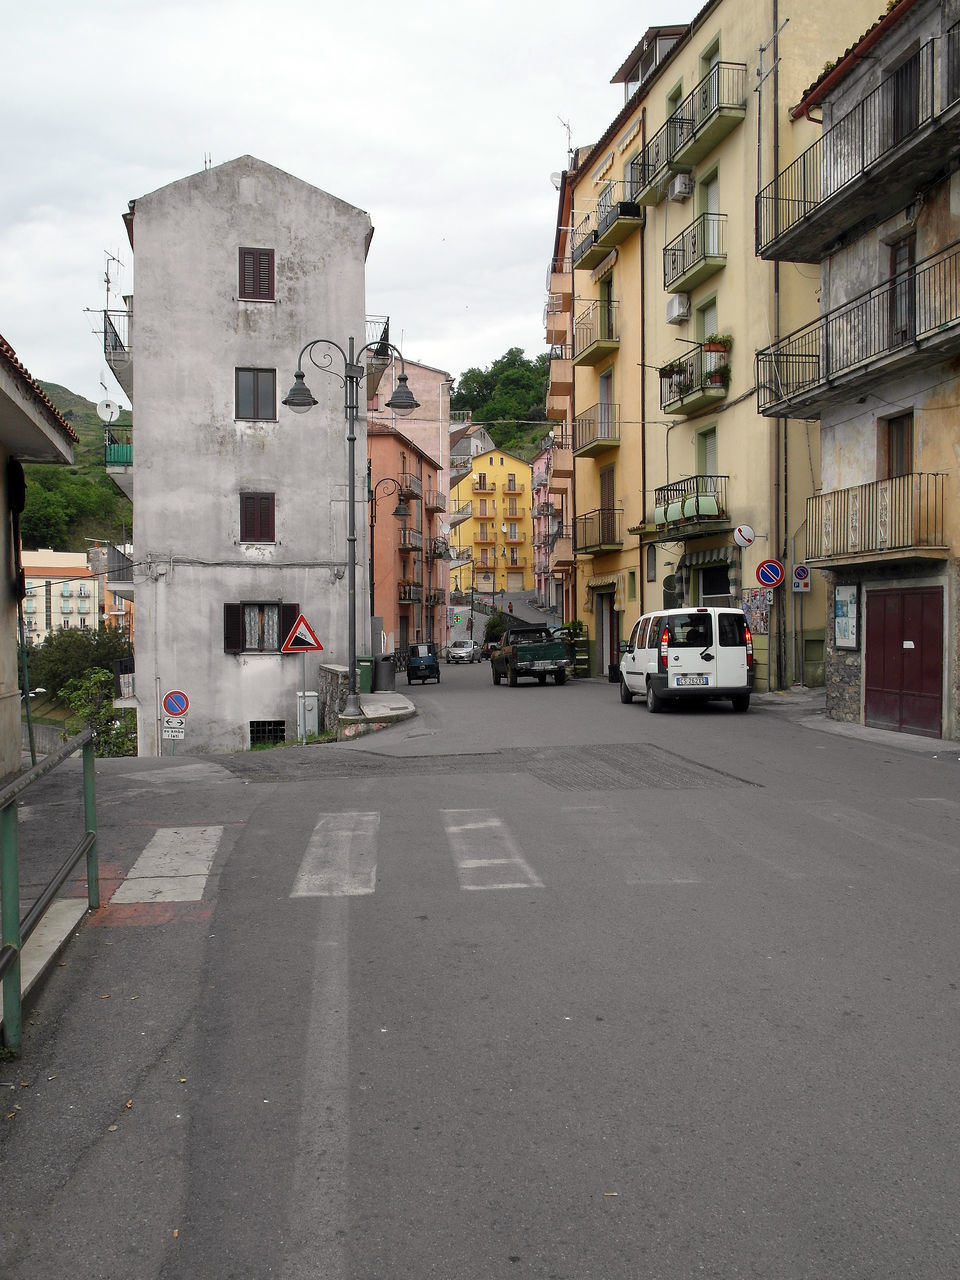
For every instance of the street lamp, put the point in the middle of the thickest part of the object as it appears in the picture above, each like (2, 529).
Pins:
(401, 511)
(300, 400)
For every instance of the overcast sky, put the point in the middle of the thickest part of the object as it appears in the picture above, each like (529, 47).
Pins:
(443, 120)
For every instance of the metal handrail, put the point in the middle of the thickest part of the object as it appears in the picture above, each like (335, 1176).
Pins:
(15, 932)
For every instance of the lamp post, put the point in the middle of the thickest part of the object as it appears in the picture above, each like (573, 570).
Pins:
(300, 399)
(401, 511)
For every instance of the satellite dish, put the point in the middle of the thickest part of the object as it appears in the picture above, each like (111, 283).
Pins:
(555, 179)
(743, 535)
(108, 411)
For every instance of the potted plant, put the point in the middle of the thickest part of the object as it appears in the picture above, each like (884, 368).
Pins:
(719, 376)
(717, 342)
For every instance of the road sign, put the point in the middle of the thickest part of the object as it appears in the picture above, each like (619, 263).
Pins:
(176, 702)
(770, 573)
(174, 722)
(178, 734)
(302, 638)
(743, 535)
(801, 577)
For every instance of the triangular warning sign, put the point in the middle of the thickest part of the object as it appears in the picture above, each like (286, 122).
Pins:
(301, 638)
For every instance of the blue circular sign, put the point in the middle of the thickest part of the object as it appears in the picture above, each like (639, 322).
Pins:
(175, 703)
(770, 573)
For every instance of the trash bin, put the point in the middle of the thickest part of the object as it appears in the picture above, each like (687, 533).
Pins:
(384, 674)
(365, 673)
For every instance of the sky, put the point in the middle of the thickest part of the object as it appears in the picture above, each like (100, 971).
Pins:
(443, 120)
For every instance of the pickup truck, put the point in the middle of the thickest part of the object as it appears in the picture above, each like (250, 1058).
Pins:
(531, 651)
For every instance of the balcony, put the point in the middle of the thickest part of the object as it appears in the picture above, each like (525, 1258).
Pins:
(118, 460)
(117, 350)
(561, 469)
(411, 486)
(514, 539)
(596, 333)
(894, 328)
(695, 381)
(618, 215)
(871, 163)
(434, 500)
(596, 430)
(714, 109)
(561, 553)
(482, 485)
(485, 536)
(696, 254)
(897, 519)
(378, 358)
(545, 509)
(409, 593)
(586, 252)
(410, 540)
(124, 681)
(598, 531)
(556, 317)
(461, 513)
(694, 505)
(436, 597)
(119, 575)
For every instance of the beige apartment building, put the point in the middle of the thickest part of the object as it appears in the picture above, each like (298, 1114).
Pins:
(681, 489)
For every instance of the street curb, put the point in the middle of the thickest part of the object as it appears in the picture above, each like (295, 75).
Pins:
(47, 941)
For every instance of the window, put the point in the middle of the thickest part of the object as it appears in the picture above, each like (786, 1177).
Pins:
(257, 627)
(257, 517)
(256, 394)
(896, 446)
(651, 563)
(256, 274)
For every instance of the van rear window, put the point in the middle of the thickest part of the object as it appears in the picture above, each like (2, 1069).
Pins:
(691, 630)
(733, 629)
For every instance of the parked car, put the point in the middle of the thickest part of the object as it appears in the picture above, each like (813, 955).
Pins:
(463, 651)
(531, 651)
(423, 662)
(677, 654)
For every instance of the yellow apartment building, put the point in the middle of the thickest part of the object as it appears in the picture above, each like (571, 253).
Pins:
(682, 490)
(493, 544)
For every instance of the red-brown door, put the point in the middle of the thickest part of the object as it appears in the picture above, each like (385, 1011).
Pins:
(904, 660)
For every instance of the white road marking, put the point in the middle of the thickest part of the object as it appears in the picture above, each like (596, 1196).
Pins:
(173, 867)
(341, 858)
(485, 854)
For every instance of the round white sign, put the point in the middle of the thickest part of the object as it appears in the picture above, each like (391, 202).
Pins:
(743, 535)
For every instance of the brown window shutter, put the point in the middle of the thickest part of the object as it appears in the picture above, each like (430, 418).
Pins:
(289, 613)
(257, 274)
(233, 628)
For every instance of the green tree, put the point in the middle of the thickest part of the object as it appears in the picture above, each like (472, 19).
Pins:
(90, 698)
(509, 396)
(68, 655)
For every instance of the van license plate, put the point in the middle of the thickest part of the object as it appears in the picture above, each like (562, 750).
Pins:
(687, 681)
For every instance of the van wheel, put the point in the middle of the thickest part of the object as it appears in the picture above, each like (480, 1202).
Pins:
(438, 675)
(741, 702)
(625, 694)
(542, 679)
(654, 701)
(496, 674)
(560, 677)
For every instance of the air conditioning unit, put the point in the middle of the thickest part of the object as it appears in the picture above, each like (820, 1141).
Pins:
(678, 308)
(681, 188)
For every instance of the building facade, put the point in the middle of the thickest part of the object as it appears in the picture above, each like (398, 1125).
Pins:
(875, 203)
(241, 505)
(31, 430)
(62, 592)
(669, 304)
(493, 545)
(408, 584)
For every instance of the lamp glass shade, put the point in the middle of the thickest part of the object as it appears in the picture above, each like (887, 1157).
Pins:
(402, 511)
(402, 401)
(299, 398)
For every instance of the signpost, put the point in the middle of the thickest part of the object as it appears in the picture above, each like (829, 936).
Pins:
(174, 722)
(770, 573)
(303, 640)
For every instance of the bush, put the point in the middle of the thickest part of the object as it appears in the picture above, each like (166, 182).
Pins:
(91, 700)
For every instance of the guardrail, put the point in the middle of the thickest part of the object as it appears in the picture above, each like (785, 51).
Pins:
(15, 931)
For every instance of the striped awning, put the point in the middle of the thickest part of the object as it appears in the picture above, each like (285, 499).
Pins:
(728, 555)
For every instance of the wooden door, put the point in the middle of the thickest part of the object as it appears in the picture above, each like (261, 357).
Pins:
(904, 660)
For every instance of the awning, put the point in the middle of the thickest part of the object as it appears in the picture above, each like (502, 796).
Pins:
(602, 580)
(728, 555)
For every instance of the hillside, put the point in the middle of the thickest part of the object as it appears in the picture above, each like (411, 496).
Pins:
(68, 505)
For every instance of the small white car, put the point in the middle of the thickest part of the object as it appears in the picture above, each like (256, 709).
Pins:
(677, 654)
(463, 651)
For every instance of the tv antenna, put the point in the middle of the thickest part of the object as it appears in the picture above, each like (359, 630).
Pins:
(566, 125)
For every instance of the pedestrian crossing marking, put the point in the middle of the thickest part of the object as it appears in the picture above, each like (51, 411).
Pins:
(484, 852)
(341, 857)
(173, 867)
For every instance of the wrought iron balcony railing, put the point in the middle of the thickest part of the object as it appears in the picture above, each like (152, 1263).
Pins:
(690, 501)
(918, 306)
(723, 89)
(693, 379)
(597, 428)
(411, 539)
(598, 530)
(596, 327)
(896, 515)
(697, 252)
(903, 104)
(411, 486)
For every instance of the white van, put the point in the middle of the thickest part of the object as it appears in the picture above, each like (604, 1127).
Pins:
(676, 654)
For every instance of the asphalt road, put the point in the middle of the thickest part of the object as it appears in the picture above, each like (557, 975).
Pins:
(533, 985)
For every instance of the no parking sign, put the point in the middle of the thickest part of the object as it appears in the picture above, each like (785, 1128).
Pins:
(801, 577)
